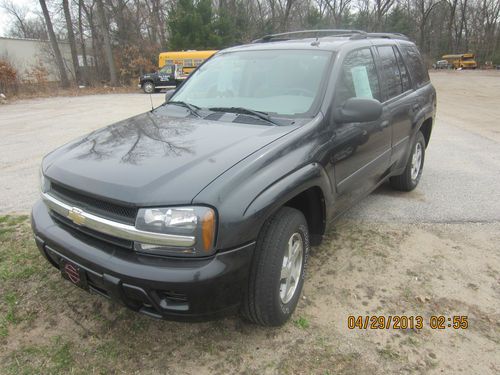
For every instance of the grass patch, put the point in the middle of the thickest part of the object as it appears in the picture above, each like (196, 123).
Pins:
(20, 263)
(55, 358)
(9, 224)
(19, 257)
(11, 302)
(302, 322)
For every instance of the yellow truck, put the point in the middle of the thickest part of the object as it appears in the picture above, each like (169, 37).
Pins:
(463, 60)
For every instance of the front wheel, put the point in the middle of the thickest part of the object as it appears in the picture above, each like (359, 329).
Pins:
(148, 87)
(410, 178)
(277, 272)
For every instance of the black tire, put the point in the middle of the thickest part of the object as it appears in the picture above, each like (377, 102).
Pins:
(262, 302)
(148, 87)
(405, 181)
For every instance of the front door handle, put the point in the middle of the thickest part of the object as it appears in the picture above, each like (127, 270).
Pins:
(384, 124)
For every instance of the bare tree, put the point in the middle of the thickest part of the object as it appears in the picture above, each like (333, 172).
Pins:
(108, 51)
(24, 25)
(55, 46)
(337, 9)
(71, 39)
(17, 12)
(381, 9)
(119, 36)
(83, 48)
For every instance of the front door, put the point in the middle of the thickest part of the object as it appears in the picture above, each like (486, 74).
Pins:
(360, 152)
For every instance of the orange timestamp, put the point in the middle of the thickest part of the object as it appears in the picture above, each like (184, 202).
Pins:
(406, 322)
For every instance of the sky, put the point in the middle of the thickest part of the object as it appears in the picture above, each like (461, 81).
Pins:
(5, 18)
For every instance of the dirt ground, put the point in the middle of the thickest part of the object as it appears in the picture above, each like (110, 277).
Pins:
(427, 253)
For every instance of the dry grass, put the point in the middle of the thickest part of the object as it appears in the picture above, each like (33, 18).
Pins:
(47, 326)
(52, 89)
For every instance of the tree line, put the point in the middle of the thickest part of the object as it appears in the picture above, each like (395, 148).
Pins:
(124, 37)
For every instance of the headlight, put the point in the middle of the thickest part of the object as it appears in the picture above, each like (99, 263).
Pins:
(196, 222)
(43, 183)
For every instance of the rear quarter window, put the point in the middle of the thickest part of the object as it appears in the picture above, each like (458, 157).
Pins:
(415, 64)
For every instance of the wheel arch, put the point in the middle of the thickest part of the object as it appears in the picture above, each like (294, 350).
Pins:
(307, 190)
(426, 129)
(311, 203)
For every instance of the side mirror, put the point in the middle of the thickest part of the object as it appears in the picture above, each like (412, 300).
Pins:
(169, 94)
(358, 110)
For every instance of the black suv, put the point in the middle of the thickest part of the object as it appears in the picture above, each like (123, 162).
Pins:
(210, 202)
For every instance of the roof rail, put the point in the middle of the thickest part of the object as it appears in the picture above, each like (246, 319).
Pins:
(353, 34)
(388, 36)
(313, 34)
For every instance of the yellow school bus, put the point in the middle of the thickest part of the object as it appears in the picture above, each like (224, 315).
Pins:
(188, 60)
(463, 60)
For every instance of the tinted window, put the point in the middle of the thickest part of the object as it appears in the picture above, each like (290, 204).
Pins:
(415, 65)
(405, 77)
(358, 78)
(390, 71)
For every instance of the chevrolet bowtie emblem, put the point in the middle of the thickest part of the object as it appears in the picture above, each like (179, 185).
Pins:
(76, 216)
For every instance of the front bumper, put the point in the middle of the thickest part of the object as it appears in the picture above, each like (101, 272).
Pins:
(174, 288)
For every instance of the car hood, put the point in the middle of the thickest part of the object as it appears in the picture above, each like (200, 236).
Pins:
(156, 159)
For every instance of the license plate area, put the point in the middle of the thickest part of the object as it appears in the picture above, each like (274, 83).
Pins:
(74, 274)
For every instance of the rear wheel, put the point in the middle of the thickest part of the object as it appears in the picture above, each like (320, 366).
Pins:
(278, 267)
(148, 87)
(410, 178)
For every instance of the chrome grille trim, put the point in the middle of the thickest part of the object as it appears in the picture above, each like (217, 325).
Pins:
(116, 229)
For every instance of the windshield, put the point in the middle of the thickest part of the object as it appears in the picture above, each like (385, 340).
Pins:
(283, 82)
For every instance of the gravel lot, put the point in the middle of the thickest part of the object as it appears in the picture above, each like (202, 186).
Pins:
(431, 252)
(460, 181)
(29, 129)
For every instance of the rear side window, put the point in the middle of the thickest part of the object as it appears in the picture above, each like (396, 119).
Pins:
(390, 71)
(358, 78)
(415, 64)
(405, 76)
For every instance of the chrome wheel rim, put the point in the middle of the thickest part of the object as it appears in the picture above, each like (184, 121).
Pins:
(416, 161)
(291, 268)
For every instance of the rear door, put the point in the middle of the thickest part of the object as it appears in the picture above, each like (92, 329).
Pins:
(398, 98)
(425, 95)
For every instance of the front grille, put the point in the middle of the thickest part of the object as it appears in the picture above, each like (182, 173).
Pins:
(108, 210)
(86, 232)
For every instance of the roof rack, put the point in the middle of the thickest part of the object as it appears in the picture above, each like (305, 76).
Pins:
(312, 34)
(353, 34)
(388, 36)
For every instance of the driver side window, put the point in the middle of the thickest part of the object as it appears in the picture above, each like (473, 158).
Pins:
(358, 77)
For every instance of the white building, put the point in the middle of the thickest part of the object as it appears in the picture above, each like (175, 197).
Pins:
(25, 54)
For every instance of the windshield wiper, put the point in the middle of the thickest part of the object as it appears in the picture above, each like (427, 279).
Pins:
(245, 111)
(191, 107)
